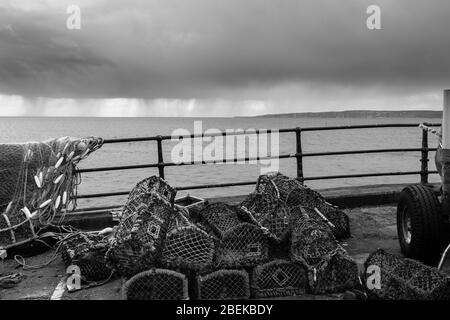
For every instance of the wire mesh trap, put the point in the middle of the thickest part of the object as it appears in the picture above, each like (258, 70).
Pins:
(87, 251)
(220, 217)
(268, 212)
(279, 278)
(336, 274)
(329, 267)
(311, 239)
(145, 192)
(293, 193)
(38, 181)
(403, 279)
(223, 285)
(156, 284)
(139, 239)
(244, 245)
(187, 246)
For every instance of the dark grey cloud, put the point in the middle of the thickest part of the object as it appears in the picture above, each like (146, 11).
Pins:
(234, 49)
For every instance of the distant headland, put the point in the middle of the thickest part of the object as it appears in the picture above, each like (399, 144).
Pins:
(359, 114)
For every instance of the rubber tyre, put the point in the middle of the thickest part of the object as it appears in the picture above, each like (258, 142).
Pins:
(426, 224)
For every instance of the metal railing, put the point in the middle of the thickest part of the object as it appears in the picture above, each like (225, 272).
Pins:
(298, 155)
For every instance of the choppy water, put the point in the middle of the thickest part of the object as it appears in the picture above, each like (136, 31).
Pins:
(26, 129)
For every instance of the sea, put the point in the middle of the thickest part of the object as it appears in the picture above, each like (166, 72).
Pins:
(23, 129)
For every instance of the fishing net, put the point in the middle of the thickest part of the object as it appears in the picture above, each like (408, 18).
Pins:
(156, 284)
(243, 245)
(187, 246)
(87, 251)
(279, 278)
(403, 279)
(223, 285)
(38, 180)
(293, 193)
(268, 212)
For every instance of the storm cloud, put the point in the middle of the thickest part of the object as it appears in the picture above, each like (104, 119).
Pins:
(285, 55)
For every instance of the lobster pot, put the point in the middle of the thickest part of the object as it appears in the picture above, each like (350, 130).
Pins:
(87, 251)
(268, 212)
(337, 274)
(220, 217)
(279, 278)
(139, 240)
(312, 241)
(155, 214)
(293, 193)
(403, 279)
(306, 197)
(223, 285)
(151, 192)
(156, 284)
(242, 246)
(187, 246)
(276, 184)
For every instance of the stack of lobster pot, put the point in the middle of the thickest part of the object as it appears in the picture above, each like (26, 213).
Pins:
(293, 193)
(330, 269)
(240, 244)
(300, 219)
(139, 239)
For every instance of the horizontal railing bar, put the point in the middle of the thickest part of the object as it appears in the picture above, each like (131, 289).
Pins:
(331, 153)
(362, 175)
(258, 131)
(245, 183)
(369, 126)
(138, 166)
(283, 156)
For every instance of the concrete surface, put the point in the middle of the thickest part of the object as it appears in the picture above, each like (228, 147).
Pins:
(372, 227)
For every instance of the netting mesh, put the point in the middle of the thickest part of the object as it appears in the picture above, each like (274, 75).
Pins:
(38, 180)
(156, 284)
(187, 246)
(87, 251)
(337, 274)
(279, 278)
(293, 193)
(223, 285)
(220, 217)
(243, 245)
(268, 212)
(404, 279)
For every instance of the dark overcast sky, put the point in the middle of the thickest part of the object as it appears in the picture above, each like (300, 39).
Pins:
(221, 57)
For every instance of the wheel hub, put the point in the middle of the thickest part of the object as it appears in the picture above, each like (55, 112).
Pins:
(406, 226)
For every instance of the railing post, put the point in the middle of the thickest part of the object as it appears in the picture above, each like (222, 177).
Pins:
(160, 157)
(424, 158)
(299, 155)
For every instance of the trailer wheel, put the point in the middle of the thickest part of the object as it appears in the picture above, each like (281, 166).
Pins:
(419, 224)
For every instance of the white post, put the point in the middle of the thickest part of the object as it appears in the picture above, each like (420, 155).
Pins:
(446, 121)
